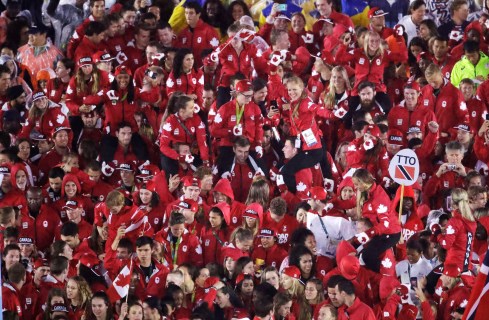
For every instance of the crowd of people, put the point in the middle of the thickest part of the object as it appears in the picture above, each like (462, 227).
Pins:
(194, 160)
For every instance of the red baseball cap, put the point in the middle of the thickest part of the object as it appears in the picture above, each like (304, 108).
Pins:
(72, 204)
(413, 85)
(148, 185)
(89, 260)
(253, 210)
(41, 263)
(101, 56)
(395, 137)
(127, 166)
(122, 70)
(191, 182)
(241, 277)
(233, 253)
(376, 12)
(318, 193)
(293, 272)
(243, 86)
(148, 171)
(211, 281)
(85, 61)
(373, 130)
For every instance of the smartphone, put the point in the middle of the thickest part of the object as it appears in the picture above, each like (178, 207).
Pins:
(414, 282)
(487, 116)
(282, 7)
(451, 167)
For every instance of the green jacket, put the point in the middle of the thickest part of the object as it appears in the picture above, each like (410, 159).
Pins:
(465, 69)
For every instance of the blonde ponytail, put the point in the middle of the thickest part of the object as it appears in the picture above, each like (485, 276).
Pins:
(461, 199)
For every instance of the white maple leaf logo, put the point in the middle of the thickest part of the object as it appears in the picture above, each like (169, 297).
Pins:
(463, 106)
(301, 186)
(170, 83)
(352, 148)
(201, 125)
(450, 230)
(464, 303)
(386, 224)
(381, 208)
(218, 118)
(439, 291)
(69, 90)
(214, 42)
(167, 127)
(259, 53)
(387, 263)
(60, 119)
(201, 80)
(50, 123)
(370, 207)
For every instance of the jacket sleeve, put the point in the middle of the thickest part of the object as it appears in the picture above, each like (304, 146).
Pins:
(431, 189)
(218, 128)
(199, 90)
(343, 56)
(196, 254)
(390, 308)
(201, 135)
(426, 311)
(456, 74)
(71, 99)
(447, 239)
(480, 149)
(151, 96)
(427, 146)
(166, 138)
(111, 263)
(258, 127)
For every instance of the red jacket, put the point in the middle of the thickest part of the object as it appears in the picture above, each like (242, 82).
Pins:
(47, 221)
(52, 118)
(186, 249)
(284, 227)
(227, 118)
(202, 37)
(144, 288)
(458, 241)
(480, 148)
(301, 117)
(190, 83)
(437, 188)
(56, 94)
(356, 157)
(177, 131)
(402, 119)
(74, 98)
(446, 65)
(449, 106)
(135, 57)
(272, 256)
(376, 209)
(477, 111)
(212, 247)
(357, 311)
(452, 300)
(231, 62)
(77, 37)
(370, 69)
(87, 49)
(337, 18)
(316, 85)
(30, 296)
(11, 299)
(118, 108)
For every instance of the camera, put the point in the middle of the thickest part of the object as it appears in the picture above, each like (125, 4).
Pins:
(451, 167)
(151, 74)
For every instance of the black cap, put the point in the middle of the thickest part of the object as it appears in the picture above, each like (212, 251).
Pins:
(37, 29)
(14, 92)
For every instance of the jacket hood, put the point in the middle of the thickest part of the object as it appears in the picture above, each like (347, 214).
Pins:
(408, 192)
(474, 25)
(224, 186)
(387, 284)
(225, 209)
(346, 182)
(70, 178)
(13, 172)
(344, 248)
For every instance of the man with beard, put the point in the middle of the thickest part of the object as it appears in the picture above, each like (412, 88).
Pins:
(89, 131)
(16, 101)
(368, 103)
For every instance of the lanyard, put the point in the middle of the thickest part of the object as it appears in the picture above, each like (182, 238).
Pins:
(174, 251)
(239, 113)
(324, 227)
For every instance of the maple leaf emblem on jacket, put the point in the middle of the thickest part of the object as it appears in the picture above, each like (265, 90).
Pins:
(387, 263)
(170, 83)
(214, 42)
(381, 208)
(218, 118)
(301, 186)
(167, 127)
(450, 230)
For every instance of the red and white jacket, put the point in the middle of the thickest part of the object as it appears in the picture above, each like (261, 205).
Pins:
(202, 37)
(190, 83)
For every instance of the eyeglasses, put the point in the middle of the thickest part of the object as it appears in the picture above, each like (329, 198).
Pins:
(247, 96)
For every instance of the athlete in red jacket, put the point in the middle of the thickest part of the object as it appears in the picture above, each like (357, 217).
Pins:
(198, 35)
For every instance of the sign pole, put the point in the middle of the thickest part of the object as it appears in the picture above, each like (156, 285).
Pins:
(401, 240)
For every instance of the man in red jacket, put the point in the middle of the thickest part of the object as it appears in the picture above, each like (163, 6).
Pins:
(325, 8)
(351, 306)
(239, 117)
(198, 36)
(11, 295)
(92, 40)
(446, 101)
(412, 111)
(278, 218)
(441, 57)
(268, 253)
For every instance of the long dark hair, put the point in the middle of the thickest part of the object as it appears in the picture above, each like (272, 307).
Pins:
(101, 295)
(221, 20)
(234, 299)
(69, 64)
(178, 61)
(295, 255)
(130, 88)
